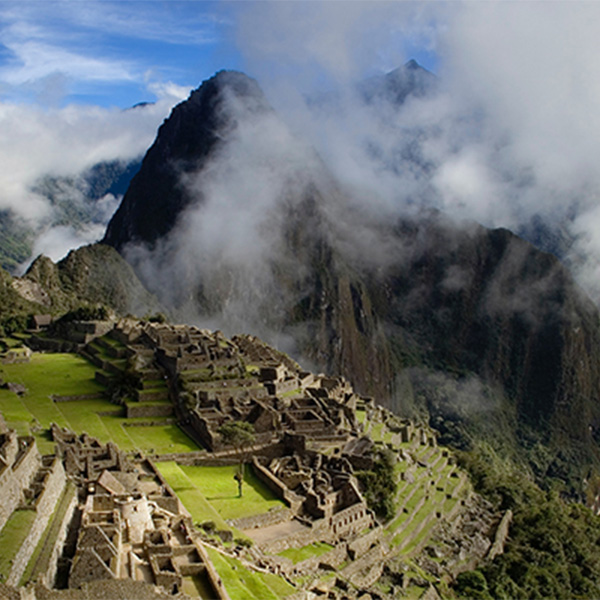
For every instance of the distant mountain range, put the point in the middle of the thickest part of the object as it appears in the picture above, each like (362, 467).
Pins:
(79, 202)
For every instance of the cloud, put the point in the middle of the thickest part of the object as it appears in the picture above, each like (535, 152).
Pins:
(57, 241)
(34, 60)
(64, 142)
(512, 132)
(102, 47)
(228, 239)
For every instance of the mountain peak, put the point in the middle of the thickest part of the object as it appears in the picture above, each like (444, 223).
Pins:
(412, 65)
(184, 142)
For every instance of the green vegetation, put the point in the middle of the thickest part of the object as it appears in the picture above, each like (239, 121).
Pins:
(297, 555)
(554, 547)
(40, 558)
(240, 435)
(13, 534)
(16, 240)
(70, 375)
(209, 492)
(191, 497)
(243, 584)
(85, 313)
(380, 485)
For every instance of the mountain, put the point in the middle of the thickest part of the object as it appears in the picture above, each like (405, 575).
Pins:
(233, 220)
(184, 143)
(81, 202)
(411, 79)
(90, 275)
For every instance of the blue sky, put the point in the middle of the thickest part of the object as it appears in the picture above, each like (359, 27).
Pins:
(107, 52)
(118, 53)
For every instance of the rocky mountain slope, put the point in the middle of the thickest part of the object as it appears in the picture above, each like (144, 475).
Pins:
(90, 275)
(384, 300)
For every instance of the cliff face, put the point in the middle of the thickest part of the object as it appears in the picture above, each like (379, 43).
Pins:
(366, 299)
(94, 274)
(184, 144)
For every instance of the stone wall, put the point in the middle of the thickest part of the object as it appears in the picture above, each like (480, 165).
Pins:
(501, 535)
(61, 536)
(264, 520)
(93, 396)
(317, 533)
(351, 520)
(14, 479)
(362, 544)
(153, 410)
(54, 485)
(277, 487)
(212, 574)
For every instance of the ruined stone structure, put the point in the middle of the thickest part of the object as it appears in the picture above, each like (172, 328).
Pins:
(212, 380)
(320, 490)
(28, 482)
(133, 526)
(129, 525)
(312, 433)
(19, 462)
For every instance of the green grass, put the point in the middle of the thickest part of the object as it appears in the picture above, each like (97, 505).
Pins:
(211, 493)
(191, 497)
(375, 433)
(244, 584)
(163, 439)
(10, 342)
(59, 374)
(13, 534)
(297, 555)
(361, 415)
(220, 489)
(70, 375)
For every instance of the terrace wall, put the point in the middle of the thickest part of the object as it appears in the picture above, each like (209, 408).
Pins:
(277, 486)
(14, 479)
(54, 484)
(50, 575)
(273, 517)
(142, 409)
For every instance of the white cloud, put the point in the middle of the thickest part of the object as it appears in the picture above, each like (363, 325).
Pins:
(514, 130)
(64, 142)
(36, 60)
(56, 242)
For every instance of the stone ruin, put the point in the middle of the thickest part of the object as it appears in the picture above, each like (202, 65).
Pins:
(308, 446)
(123, 519)
(133, 526)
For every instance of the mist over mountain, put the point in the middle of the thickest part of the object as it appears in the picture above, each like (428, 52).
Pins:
(235, 222)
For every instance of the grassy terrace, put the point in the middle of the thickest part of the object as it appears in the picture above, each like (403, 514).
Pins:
(297, 555)
(71, 375)
(13, 534)
(419, 502)
(243, 584)
(211, 494)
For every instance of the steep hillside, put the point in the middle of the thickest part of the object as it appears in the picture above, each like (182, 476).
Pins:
(183, 145)
(94, 274)
(384, 300)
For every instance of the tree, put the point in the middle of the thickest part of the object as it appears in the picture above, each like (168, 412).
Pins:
(379, 485)
(240, 435)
